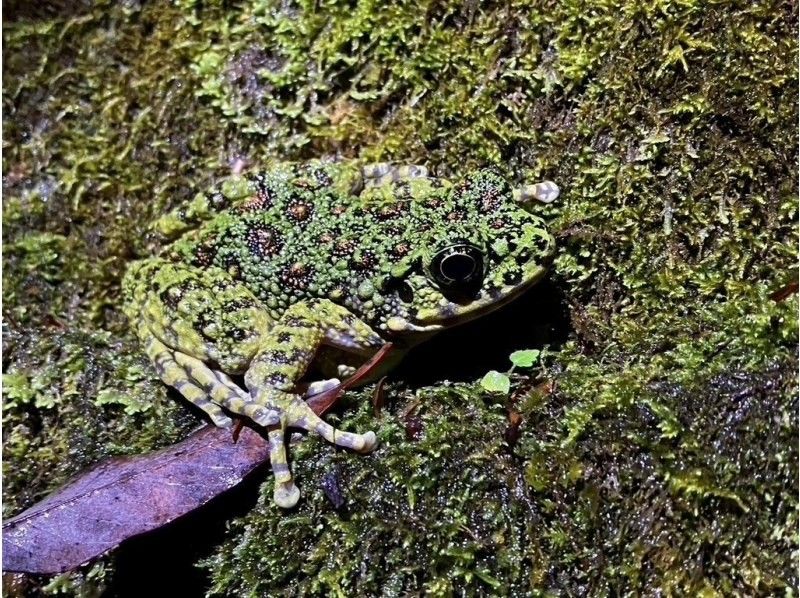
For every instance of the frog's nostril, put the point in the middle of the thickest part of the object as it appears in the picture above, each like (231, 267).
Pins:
(405, 292)
(402, 289)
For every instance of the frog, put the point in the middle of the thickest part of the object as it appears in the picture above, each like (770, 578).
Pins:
(313, 266)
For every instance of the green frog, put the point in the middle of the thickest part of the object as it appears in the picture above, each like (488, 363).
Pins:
(321, 263)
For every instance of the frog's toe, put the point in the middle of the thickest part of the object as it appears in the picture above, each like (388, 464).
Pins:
(370, 442)
(345, 371)
(360, 443)
(304, 417)
(263, 416)
(286, 494)
(320, 386)
(221, 420)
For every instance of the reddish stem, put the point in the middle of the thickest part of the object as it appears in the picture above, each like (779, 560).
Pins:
(323, 401)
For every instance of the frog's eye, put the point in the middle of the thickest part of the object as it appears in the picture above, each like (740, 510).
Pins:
(458, 267)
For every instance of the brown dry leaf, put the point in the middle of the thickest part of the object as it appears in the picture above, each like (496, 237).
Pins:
(127, 496)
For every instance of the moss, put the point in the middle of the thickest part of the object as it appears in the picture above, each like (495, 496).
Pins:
(404, 525)
(663, 457)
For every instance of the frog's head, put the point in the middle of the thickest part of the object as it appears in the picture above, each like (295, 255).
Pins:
(476, 249)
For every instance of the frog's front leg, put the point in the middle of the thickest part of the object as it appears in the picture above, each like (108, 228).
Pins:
(287, 351)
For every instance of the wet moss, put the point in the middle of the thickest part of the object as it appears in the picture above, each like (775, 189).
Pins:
(657, 450)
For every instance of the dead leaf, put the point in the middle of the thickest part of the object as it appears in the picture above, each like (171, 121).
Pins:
(127, 496)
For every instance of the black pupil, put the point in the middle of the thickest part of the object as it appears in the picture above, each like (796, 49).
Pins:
(458, 267)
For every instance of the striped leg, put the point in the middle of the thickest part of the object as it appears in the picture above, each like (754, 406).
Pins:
(289, 349)
(199, 384)
(286, 494)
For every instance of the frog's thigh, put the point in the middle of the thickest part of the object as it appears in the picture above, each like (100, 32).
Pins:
(199, 384)
(382, 173)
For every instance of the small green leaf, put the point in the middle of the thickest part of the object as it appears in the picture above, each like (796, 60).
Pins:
(524, 359)
(496, 382)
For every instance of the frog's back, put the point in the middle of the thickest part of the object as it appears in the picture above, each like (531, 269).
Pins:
(304, 231)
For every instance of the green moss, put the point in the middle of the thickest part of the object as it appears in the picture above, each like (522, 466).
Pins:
(663, 458)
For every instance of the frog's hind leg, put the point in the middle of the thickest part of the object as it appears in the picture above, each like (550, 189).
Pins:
(288, 350)
(204, 387)
(296, 413)
(382, 173)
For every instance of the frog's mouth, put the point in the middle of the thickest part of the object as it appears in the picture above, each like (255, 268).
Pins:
(448, 313)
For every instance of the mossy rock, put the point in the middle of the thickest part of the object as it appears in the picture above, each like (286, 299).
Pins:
(653, 450)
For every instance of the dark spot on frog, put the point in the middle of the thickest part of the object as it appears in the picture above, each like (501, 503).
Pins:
(204, 254)
(402, 249)
(491, 200)
(217, 201)
(299, 210)
(456, 214)
(258, 202)
(391, 211)
(207, 318)
(283, 357)
(296, 276)
(238, 334)
(322, 177)
(542, 244)
(364, 260)
(172, 295)
(232, 266)
(292, 322)
(238, 304)
(263, 240)
(344, 247)
(277, 381)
